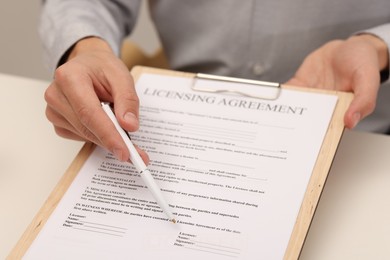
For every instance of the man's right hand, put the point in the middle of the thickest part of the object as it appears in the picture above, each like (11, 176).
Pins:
(93, 74)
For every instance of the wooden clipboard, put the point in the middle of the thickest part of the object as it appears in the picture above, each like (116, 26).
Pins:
(309, 204)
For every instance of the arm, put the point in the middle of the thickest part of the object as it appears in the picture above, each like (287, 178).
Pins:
(91, 73)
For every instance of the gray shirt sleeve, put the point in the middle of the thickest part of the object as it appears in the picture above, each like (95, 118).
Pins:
(63, 23)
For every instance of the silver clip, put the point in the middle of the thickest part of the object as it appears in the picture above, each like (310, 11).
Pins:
(272, 95)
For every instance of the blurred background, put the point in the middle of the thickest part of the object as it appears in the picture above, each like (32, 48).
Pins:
(20, 48)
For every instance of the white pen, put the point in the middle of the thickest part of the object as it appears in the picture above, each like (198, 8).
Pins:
(139, 164)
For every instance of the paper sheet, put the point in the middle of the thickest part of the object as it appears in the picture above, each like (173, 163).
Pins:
(233, 169)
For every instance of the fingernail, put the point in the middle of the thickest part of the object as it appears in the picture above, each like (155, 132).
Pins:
(131, 119)
(118, 154)
(355, 119)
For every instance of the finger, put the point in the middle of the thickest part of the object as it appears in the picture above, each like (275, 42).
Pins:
(65, 133)
(365, 87)
(126, 102)
(58, 120)
(60, 113)
(143, 154)
(63, 128)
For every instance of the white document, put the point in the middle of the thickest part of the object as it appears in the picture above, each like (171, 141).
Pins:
(233, 169)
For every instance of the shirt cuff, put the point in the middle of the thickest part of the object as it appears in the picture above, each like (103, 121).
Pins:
(382, 32)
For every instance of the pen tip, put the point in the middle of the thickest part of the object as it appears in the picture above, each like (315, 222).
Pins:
(173, 221)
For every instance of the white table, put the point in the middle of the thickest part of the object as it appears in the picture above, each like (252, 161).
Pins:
(352, 220)
(32, 157)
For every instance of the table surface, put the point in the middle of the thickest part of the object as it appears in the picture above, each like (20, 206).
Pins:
(352, 220)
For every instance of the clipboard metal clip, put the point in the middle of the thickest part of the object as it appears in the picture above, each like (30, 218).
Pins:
(244, 87)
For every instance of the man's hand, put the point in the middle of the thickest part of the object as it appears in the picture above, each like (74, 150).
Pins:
(93, 74)
(352, 65)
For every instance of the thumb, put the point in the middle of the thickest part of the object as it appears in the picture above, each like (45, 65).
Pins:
(353, 114)
(126, 104)
(365, 94)
(295, 82)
